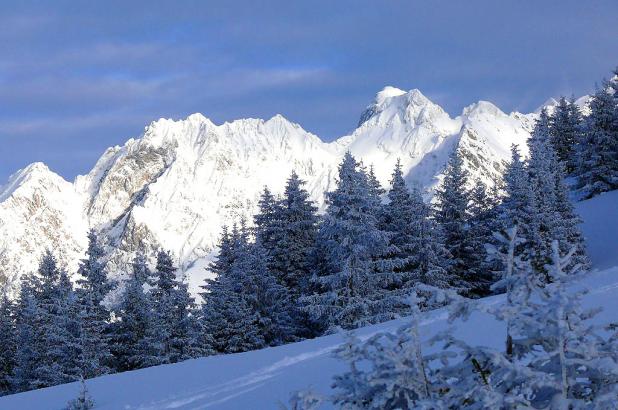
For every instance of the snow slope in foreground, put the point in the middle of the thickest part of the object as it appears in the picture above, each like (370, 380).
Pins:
(263, 379)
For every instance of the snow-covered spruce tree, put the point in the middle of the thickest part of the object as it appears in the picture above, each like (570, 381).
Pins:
(132, 335)
(482, 222)
(83, 401)
(349, 294)
(598, 160)
(519, 207)
(174, 328)
(70, 322)
(555, 216)
(287, 230)
(292, 258)
(415, 251)
(375, 191)
(94, 286)
(227, 321)
(268, 222)
(297, 242)
(452, 199)
(55, 340)
(268, 300)
(29, 346)
(566, 128)
(8, 341)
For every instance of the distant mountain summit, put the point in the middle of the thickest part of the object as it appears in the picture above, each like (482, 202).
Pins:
(178, 183)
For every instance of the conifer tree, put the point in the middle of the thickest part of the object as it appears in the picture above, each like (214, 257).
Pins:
(29, 343)
(482, 221)
(416, 252)
(375, 192)
(8, 334)
(566, 132)
(268, 221)
(95, 317)
(598, 161)
(46, 319)
(229, 324)
(349, 294)
(174, 329)
(555, 217)
(300, 226)
(133, 333)
(519, 206)
(269, 301)
(452, 200)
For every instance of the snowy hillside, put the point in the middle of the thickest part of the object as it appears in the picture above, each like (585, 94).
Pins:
(262, 379)
(178, 183)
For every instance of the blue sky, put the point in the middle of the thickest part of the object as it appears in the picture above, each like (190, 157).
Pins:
(77, 77)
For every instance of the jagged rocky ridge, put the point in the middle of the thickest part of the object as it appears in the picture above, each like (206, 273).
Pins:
(177, 184)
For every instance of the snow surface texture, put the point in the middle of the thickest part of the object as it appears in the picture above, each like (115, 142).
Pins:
(176, 185)
(262, 379)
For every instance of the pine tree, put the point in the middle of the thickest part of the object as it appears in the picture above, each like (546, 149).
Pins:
(174, 325)
(375, 192)
(555, 216)
(268, 221)
(349, 294)
(229, 324)
(482, 221)
(599, 153)
(416, 253)
(8, 334)
(185, 334)
(452, 200)
(70, 322)
(53, 346)
(269, 301)
(519, 207)
(300, 227)
(566, 126)
(95, 317)
(29, 344)
(133, 332)
(163, 305)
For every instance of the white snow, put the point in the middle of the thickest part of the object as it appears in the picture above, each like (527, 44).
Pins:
(263, 379)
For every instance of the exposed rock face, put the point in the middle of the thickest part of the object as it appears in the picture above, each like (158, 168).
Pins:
(178, 183)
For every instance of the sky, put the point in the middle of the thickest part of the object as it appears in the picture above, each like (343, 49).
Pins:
(78, 77)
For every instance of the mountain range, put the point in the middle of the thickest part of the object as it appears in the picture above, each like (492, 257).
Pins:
(178, 183)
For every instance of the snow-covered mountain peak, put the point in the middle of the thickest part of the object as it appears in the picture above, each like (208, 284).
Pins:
(482, 108)
(33, 176)
(392, 104)
(38, 210)
(386, 93)
(550, 104)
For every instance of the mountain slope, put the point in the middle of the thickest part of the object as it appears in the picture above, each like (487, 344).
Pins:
(38, 210)
(263, 378)
(178, 183)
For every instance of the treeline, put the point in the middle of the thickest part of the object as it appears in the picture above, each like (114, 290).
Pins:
(295, 274)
